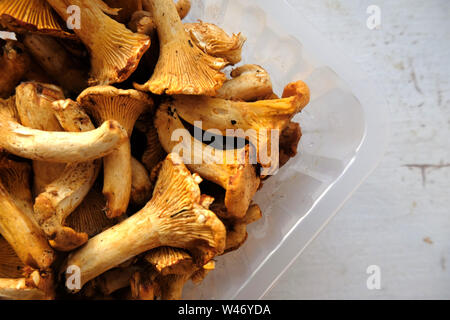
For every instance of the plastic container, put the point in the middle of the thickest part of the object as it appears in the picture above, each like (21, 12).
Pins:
(344, 136)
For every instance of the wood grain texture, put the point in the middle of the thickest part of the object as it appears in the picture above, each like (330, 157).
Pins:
(399, 219)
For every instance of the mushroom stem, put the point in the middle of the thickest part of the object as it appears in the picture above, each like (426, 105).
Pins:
(182, 67)
(115, 50)
(65, 147)
(172, 218)
(141, 187)
(117, 180)
(22, 234)
(183, 7)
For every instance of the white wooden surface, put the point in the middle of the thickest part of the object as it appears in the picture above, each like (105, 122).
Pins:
(399, 219)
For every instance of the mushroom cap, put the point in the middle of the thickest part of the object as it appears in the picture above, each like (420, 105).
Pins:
(31, 16)
(109, 103)
(216, 42)
(168, 260)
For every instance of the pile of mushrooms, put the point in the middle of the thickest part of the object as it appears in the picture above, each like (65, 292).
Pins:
(97, 199)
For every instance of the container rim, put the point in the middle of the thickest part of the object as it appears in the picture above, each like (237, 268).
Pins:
(366, 159)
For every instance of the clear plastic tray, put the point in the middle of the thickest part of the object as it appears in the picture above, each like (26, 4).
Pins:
(344, 136)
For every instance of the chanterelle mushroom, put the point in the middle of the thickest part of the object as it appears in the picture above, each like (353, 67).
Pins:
(182, 67)
(174, 267)
(249, 83)
(115, 50)
(216, 42)
(65, 147)
(14, 62)
(232, 169)
(125, 106)
(237, 228)
(255, 121)
(31, 16)
(173, 217)
(17, 224)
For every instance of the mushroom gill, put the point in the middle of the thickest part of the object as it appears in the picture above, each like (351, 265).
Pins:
(31, 16)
